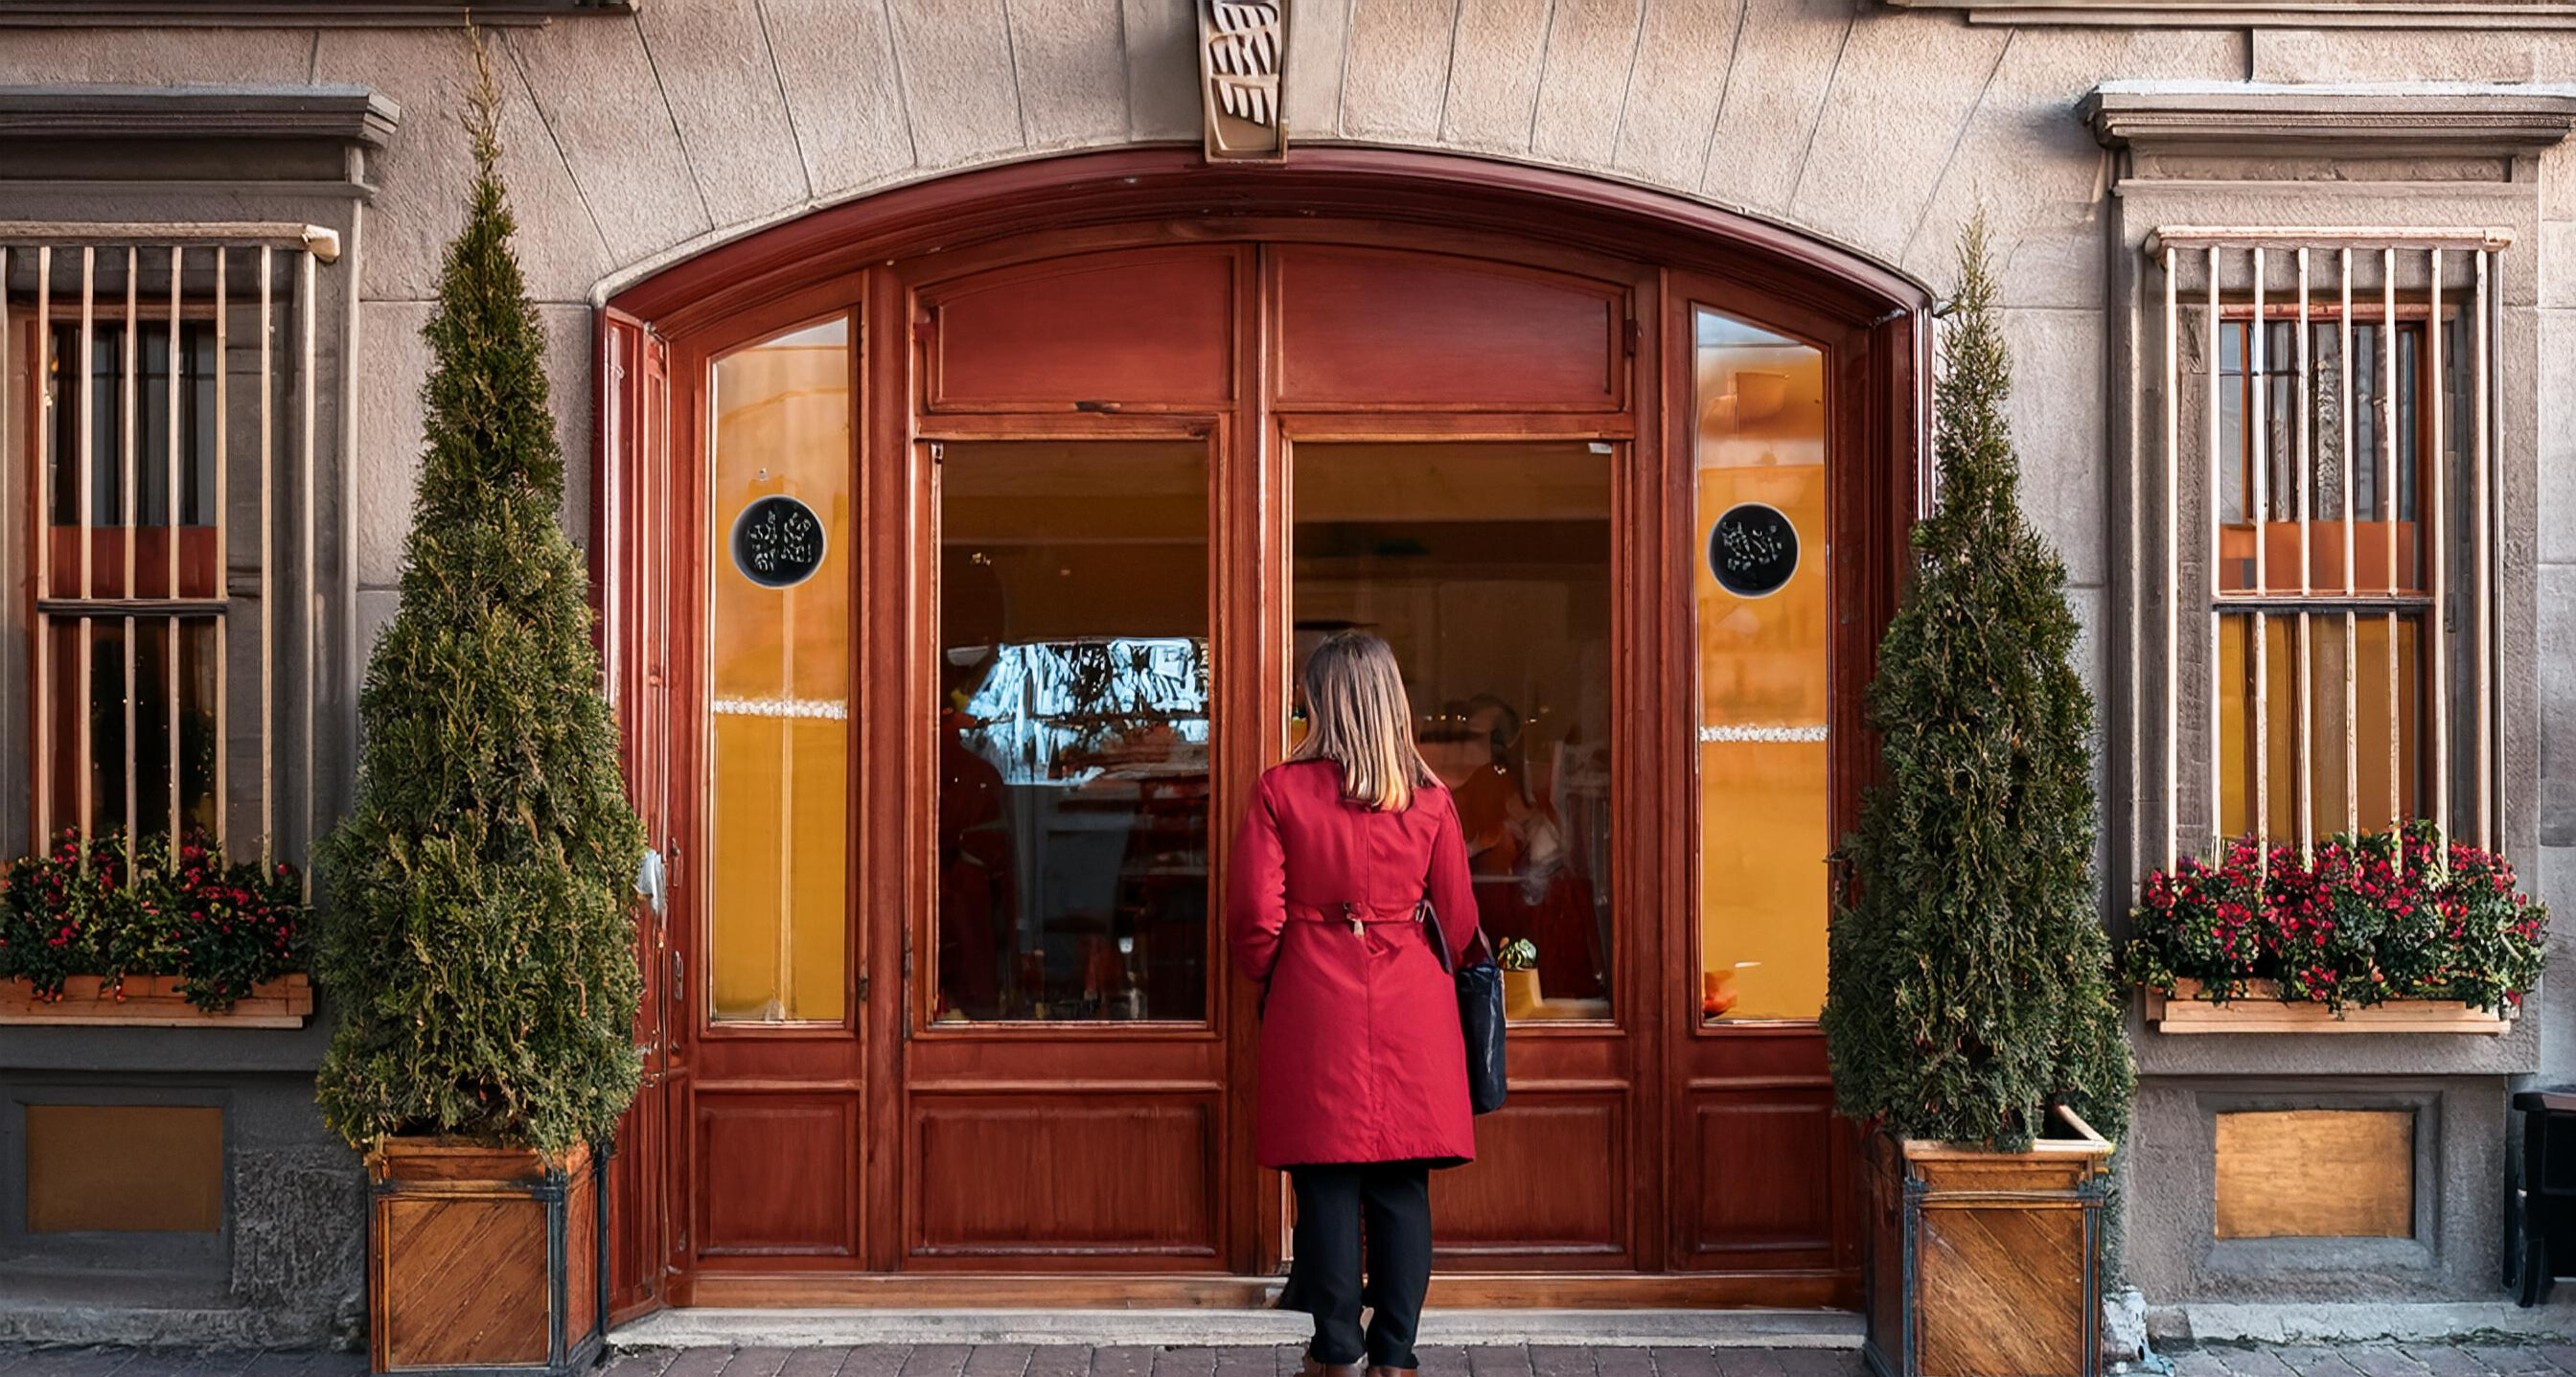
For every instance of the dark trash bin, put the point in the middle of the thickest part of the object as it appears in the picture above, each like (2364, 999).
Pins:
(2540, 1235)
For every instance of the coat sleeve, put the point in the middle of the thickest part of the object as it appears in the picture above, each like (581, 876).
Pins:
(1257, 888)
(1453, 895)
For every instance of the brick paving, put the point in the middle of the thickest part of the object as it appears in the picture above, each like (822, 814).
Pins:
(2480, 1359)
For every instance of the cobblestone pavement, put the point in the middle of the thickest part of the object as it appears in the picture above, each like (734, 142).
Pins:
(1021, 1360)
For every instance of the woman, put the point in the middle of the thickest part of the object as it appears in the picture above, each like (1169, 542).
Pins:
(1363, 1071)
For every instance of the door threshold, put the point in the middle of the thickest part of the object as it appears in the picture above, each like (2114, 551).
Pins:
(1167, 1327)
(929, 1292)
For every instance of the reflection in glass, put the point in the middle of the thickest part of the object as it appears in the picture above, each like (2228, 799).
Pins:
(97, 395)
(2378, 528)
(1763, 521)
(1073, 733)
(778, 914)
(148, 709)
(1487, 568)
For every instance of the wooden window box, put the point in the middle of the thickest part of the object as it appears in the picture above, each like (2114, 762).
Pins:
(154, 1001)
(2261, 1010)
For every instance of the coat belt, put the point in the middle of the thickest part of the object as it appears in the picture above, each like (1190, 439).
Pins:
(1347, 913)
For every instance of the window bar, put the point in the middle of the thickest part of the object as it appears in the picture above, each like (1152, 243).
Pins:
(267, 546)
(125, 390)
(43, 555)
(87, 419)
(2259, 512)
(2351, 622)
(2480, 497)
(2303, 693)
(223, 589)
(2434, 514)
(178, 261)
(2493, 565)
(2388, 461)
(2173, 560)
(86, 758)
(170, 529)
(36, 380)
(2217, 618)
(308, 598)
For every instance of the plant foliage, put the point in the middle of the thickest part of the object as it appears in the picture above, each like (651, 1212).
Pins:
(477, 932)
(220, 926)
(2364, 919)
(1969, 973)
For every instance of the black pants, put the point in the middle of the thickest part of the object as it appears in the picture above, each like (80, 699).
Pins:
(1393, 1201)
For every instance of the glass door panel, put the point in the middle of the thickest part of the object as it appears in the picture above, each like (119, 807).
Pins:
(1072, 870)
(1487, 567)
(781, 571)
(1763, 613)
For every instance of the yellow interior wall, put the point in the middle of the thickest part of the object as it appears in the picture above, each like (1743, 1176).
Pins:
(2366, 804)
(778, 913)
(1765, 823)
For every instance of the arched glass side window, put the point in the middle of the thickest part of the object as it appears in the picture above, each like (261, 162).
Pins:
(782, 564)
(1763, 616)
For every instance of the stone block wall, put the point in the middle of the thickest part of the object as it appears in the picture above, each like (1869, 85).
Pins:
(633, 141)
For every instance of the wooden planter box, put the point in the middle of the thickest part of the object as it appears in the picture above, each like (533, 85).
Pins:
(154, 1001)
(2261, 1010)
(484, 1261)
(1985, 1264)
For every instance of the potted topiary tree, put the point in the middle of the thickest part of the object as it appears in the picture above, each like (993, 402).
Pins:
(475, 926)
(1971, 1014)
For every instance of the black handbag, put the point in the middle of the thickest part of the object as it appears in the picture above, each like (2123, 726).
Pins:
(1480, 1011)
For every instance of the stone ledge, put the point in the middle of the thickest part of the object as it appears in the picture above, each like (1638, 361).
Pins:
(2291, 1322)
(333, 114)
(2355, 121)
(2304, 14)
(301, 14)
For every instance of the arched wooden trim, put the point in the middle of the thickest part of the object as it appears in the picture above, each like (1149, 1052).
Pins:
(1168, 184)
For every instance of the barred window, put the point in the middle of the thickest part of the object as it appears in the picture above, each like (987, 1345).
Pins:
(2338, 390)
(159, 412)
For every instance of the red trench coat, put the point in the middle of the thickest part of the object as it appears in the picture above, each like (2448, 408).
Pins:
(1361, 1058)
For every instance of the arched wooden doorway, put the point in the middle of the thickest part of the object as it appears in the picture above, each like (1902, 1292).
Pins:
(956, 550)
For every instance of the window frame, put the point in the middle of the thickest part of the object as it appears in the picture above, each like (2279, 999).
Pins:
(2450, 280)
(2254, 607)
(258, 283)
(49, 609)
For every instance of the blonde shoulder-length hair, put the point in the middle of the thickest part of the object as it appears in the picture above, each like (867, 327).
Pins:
(1357, 716)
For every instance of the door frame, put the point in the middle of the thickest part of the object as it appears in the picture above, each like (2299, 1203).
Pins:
(1682, 252)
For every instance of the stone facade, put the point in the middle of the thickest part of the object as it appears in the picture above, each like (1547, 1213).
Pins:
(635, 140)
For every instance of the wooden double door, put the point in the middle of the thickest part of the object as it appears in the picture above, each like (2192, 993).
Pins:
(955, 600)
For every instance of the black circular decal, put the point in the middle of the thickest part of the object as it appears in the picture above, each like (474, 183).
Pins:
(777, 542)
(1752, 549)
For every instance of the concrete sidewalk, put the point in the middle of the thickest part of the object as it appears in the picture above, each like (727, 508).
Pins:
(2503, 1359)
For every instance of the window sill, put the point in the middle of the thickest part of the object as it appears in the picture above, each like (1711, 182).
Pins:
(2260, 1013)
(154, 1001)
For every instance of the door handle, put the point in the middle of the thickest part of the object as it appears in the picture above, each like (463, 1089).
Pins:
(649, 877)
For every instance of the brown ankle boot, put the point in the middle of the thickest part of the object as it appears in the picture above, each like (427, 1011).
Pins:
(1376, 1370)
(1313, 1368)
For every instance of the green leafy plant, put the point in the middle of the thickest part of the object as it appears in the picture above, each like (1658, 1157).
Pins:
(476, 929)
(221, 927)
(1970, 984)
(2362, 919)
